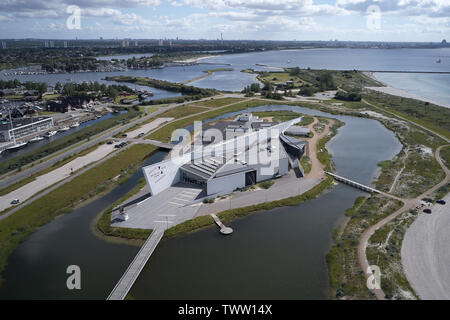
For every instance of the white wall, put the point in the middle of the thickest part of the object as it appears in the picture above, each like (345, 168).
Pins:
(226, 184)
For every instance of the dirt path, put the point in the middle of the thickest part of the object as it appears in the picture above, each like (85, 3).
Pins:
(317, 168)
(408, 204)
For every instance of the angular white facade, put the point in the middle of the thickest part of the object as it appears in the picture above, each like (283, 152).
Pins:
(162, 175)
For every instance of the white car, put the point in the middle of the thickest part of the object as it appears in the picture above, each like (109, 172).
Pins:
(15, 201)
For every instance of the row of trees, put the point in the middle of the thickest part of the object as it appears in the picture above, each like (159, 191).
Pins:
(40, 87)
(75, 89)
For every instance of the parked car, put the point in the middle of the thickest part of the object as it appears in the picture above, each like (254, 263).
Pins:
(441, 202)
(140, 135)
(117, 146)
(427, 210)
(110, 142)
(124, 135)
(15, 201)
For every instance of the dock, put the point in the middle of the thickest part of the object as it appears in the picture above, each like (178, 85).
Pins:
(354, 184)
(125, 283)
(223, 228)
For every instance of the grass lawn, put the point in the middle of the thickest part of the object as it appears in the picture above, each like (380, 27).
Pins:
(181, 111)
(215, 103)
(165, 133)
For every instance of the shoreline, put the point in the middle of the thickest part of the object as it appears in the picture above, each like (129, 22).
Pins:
(194, 60)
(388, 89)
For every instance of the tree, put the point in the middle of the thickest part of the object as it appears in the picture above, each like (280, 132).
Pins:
(58, 86)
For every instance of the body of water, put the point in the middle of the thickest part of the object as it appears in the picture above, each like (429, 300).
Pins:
(278, 253)
(435, 87)
(37, 269)
(337, 59)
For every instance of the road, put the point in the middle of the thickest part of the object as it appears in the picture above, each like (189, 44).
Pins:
(425, 254)
(46, 180)
(407, 205)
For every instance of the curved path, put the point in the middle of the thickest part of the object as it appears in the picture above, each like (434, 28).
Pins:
(407, 205)
(425, 254)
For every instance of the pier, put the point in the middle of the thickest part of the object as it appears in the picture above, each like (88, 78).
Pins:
(125, 283)
(223, 229)
(354, 184)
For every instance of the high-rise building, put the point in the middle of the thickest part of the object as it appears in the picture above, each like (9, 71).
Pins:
(160, 42)
(136, 43)
(3, 44)
(65, 44)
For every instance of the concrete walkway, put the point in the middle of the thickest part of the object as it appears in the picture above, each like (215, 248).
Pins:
(46, 180)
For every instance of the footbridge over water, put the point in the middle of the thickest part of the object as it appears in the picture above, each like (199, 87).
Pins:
(125, 283)
(354, 184)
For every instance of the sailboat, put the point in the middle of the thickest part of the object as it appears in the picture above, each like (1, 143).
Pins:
(16, 145)
(63, 129)
(50, 134)
(75, 125)
(36, 139)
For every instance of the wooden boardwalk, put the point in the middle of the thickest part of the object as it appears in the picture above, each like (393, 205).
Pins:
(125, 283)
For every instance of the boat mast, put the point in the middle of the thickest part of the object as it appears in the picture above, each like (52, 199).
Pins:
(12, 127)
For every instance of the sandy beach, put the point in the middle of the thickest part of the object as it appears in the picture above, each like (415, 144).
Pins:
(402, 93)
(194, 60)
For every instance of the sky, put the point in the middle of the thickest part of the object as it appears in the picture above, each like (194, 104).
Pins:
(355, 20)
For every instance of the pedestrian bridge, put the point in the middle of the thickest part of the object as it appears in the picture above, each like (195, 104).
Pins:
(159, 144)
(353, 183)
(125, 283)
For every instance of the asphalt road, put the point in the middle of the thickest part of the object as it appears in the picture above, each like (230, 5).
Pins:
(426, 255)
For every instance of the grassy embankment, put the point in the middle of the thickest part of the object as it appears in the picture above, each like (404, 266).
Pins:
(189, 93)
(54, 146)
(18, 226)
(345, 274)
(208, 74)
(217, 103)
(433, 117)
(384, 249)
(104, 220)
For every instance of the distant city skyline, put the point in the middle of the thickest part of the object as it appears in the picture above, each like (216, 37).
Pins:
(345, 20)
